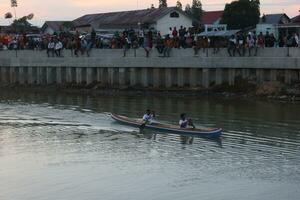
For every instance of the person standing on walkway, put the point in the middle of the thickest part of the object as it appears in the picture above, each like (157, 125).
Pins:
(232, 46)
(58, 48)
(50, 48)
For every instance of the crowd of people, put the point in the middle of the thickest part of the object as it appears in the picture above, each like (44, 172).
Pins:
(239, 44)
(252, 42)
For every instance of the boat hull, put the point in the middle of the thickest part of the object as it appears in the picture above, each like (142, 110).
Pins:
(207, 133)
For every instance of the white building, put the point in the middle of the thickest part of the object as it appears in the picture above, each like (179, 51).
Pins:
(270, 23)
(51, 27)
(154, 18)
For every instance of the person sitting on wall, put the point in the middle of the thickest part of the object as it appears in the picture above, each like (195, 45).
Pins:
(167, 46)
(58, 48)
(197, 46)
(50, 48)
(160, 44)
(232, 46)
(147, 45)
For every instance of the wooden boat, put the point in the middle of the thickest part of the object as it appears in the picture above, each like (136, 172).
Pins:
(203, 132)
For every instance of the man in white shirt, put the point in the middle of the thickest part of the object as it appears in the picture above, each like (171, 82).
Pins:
(50, 48)
(58, 47)
(296, 39)
(184, 122)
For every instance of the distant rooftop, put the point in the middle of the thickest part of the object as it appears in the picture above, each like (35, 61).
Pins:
(54, 25)
(210, 17)
(124, 18)
(274, 18)
(296, 19)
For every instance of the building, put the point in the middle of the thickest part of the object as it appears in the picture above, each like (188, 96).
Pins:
(270, 23)
(211, 17)
(6, 29)
(159, 19)
(51, 27)
(290, 28)
(210, 20)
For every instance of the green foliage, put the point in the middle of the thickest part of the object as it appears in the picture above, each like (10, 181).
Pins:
(8, 15)
(188, 9)
(241, 14)
(68, 25)
(93, 35)
(263, 19)
(21, 24)
(179, 5)
(197, 10)
(163, 4)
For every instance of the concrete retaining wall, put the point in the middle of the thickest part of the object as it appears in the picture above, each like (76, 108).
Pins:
(109, 68)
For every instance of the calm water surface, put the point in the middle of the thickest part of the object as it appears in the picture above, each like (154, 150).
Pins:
(67, 147)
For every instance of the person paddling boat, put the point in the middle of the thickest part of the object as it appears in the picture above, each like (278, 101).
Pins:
(184, 122)
(148, 118)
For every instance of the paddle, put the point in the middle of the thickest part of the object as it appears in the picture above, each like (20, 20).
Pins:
(191, 123)
(143, 125)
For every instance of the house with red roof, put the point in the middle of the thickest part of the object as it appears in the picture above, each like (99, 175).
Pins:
(211, 17)
(211, 21)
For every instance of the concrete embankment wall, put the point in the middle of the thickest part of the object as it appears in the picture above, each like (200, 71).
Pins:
(109, 68)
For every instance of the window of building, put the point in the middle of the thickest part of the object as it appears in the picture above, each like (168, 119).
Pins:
(174, 15)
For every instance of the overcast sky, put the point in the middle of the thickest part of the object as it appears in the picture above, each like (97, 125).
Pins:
(71, 9)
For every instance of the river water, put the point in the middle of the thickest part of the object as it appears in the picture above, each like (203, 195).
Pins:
(60, 146)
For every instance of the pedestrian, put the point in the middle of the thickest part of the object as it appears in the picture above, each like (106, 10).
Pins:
(250, 43)
(58, 48)
(159, 44)
(231, 46)
(50, 48)
(146, 45)
(295, 40)
(167, 46)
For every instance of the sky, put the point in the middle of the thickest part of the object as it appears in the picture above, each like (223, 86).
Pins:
(71, 9)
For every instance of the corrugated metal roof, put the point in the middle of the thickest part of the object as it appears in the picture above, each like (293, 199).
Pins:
(54, 25)
(296, 19)
(272, 18)
(124, 18)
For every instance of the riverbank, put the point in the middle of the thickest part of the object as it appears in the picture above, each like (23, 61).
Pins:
(243, 89)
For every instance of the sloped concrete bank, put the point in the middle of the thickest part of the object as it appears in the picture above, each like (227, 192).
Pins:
(108, 70)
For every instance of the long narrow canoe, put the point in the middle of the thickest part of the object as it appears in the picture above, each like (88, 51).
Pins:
(203, 132)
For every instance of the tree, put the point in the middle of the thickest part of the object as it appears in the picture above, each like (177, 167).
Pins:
(263, 19)
(179, 5)
(22, 24)
(188, 9)
(8, 15)
(196, 10)
(68, 25)
(241, 14)
(163, 4)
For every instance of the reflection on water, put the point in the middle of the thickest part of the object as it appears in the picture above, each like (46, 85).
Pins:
(59, 146)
